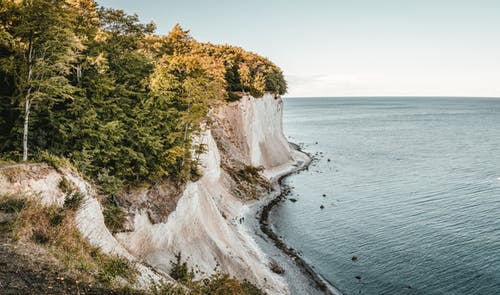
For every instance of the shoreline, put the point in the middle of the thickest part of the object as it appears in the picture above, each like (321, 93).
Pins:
(279, 193)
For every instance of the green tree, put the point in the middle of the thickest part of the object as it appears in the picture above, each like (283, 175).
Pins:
(45, 47)
(183, 87)
(99, 87)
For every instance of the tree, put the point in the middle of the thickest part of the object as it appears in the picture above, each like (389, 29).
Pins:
(45, 46)
(183, 87)
(99, 87)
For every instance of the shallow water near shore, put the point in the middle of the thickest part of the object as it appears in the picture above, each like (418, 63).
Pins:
(412, 190)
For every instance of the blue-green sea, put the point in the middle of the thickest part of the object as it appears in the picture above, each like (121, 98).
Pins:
(412, 193)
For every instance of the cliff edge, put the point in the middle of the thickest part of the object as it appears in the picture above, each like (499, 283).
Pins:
(245, 153)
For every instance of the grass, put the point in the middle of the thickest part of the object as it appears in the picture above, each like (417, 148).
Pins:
(65, 186)
(53, 160)
(114, 267)
(218, 283)
(73, 200)
(12, 203)
(54, 228)
(12, 173)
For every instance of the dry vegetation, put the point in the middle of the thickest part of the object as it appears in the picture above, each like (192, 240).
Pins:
(53, 229)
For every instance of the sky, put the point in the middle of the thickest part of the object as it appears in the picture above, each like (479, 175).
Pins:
(351, 47)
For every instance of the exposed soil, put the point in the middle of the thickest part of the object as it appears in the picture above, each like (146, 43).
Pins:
(158, 200)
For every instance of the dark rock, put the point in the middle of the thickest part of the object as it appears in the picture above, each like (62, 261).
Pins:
(276, 268)
(324, 195)
(293, 200)
(358, 277)
(322, 207)
(354, 258)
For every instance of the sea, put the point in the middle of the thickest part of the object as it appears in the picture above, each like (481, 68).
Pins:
(403, 195)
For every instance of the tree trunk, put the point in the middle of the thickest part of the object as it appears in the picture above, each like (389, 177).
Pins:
(27, 104)
(27, 107)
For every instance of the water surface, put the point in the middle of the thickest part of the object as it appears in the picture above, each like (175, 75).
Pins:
(412, 189)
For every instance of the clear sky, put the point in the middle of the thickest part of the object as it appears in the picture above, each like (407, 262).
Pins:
(352, 47)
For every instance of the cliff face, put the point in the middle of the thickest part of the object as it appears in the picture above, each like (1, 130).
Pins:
(254, 128)
(206, 226)
(42, 182)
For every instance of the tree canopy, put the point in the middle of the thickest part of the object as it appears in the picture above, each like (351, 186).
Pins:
(101, 88)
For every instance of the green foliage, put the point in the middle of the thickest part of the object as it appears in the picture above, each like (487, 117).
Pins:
(65, 186)
(218, 283)
(250, 171)
(223, 284)
(115, 266)
(121, 103)
(247, 72)
(11, 203)
(73, 200)
(114, 217)
(180, 270)
(54, 228)
(110, 185)
(56, 216)
(53, 160)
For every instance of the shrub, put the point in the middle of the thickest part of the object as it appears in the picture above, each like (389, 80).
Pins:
(249, 173)
(12, 204)
(73, 200)
(40, 237)
(114, 217)
(180, 270)
(53, 160)
(110, 185)
(115, 266)
(218, 283)
(56, 216)
(65, 186)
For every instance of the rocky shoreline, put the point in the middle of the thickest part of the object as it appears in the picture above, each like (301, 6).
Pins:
(266, 228)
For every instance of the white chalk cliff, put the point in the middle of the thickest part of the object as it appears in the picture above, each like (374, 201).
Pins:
(205, 225)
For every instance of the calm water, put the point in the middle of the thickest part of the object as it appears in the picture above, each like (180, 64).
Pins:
(412, 190)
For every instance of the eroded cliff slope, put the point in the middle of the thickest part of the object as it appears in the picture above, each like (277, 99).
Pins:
(245, 152)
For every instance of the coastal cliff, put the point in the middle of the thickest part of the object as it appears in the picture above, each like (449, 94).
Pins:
(245, 152)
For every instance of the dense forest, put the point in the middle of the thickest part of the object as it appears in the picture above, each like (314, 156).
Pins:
(103, 90)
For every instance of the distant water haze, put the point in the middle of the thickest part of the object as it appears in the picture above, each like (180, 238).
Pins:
(412, 193)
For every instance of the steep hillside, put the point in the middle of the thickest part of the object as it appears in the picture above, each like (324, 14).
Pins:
(244, 151)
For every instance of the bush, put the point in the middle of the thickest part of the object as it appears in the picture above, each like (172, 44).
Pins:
(73, 200)
(114, 217)
(115, 266)
(180, 270)
(40, 237)
(56, 216)
(53, 160)
(218, 283)
(11, 204)
(65, 186)
(110, 185)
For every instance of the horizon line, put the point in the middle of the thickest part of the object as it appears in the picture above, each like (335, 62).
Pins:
(392, 96)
